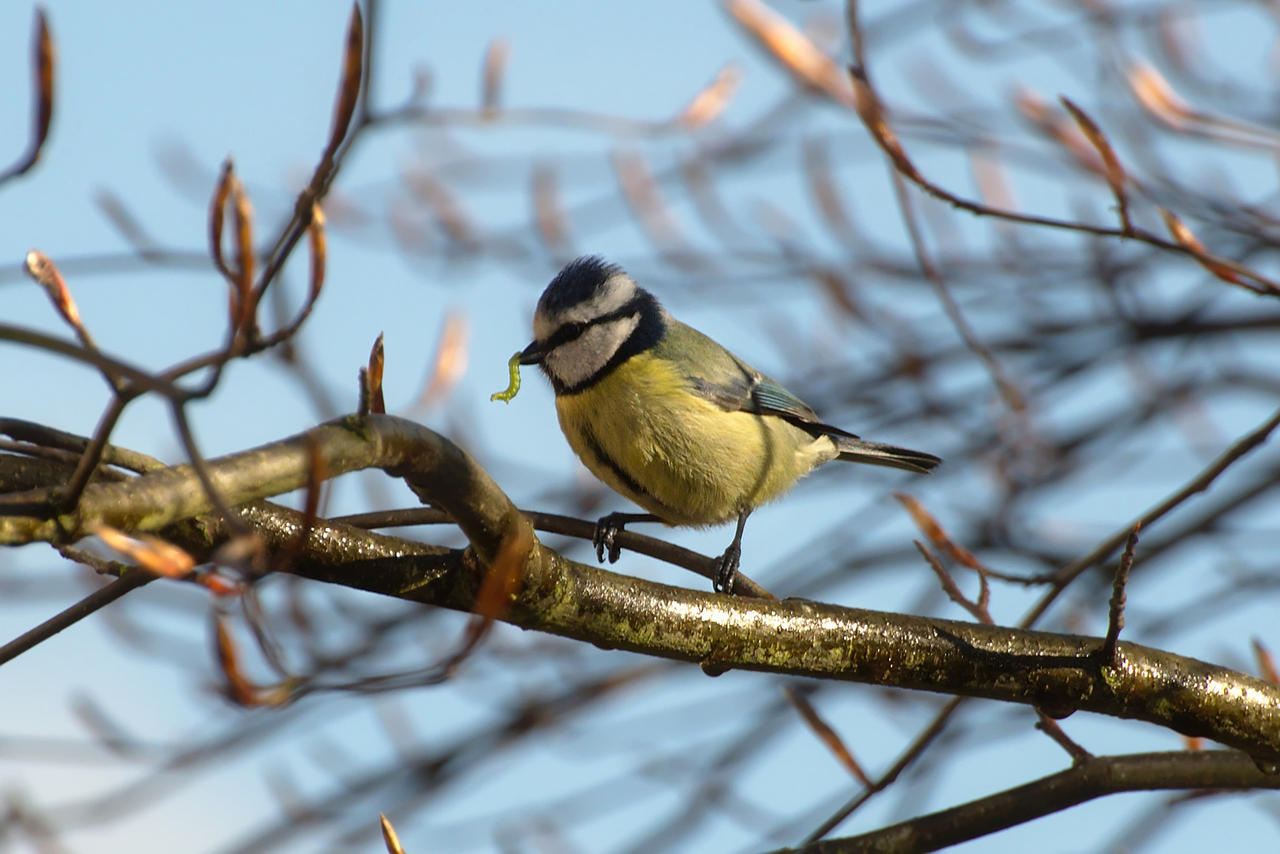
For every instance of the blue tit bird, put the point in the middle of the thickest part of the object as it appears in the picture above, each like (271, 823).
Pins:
(670, 419)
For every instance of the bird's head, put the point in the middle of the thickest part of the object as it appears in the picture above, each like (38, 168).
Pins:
(591, 318)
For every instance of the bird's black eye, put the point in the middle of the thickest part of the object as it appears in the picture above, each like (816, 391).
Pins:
(565, 333)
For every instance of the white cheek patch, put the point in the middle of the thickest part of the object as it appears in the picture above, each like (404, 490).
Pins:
(579, 360)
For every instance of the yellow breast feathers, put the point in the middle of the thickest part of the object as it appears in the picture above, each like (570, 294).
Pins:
(648, 435)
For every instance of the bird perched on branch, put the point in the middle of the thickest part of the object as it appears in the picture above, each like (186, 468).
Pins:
(670, 419)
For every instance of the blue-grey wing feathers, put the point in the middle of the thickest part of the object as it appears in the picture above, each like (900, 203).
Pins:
(735, 386)
(768, 396)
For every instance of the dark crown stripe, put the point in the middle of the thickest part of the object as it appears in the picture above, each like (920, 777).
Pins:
(576, 282)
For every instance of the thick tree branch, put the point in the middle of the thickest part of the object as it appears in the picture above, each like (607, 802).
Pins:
(1057, 673)
(422, 458)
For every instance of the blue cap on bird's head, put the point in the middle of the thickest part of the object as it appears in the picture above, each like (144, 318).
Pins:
(576, 283)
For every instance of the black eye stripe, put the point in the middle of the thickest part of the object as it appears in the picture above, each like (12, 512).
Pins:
(649, 326)
(563, 335)
(572, 331)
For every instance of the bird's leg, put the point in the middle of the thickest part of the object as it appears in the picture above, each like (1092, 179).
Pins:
(727, 565)
(609, 527)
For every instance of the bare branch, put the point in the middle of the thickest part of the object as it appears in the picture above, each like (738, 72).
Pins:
(43, 60)
(1115, 616)
(1088, 779)
(1058, 673)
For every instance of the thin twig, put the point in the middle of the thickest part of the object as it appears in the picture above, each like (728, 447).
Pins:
(908, 757)
(70, 616)
(1051, 728)
(1199, 483)
(977, 609)
(1109, 653)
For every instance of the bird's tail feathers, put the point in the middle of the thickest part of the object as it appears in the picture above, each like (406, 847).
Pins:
(855, 450)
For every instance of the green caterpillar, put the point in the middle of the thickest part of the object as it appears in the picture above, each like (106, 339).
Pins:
(513, 366)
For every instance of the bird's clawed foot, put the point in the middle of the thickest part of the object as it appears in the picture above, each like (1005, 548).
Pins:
(605, 537)
(727, 568)
(727, 565)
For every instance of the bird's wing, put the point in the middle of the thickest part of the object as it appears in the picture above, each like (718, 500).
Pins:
(722, 378)
(769, 396)
(715, 374)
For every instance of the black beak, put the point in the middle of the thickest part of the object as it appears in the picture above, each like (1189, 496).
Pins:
(532, 355)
